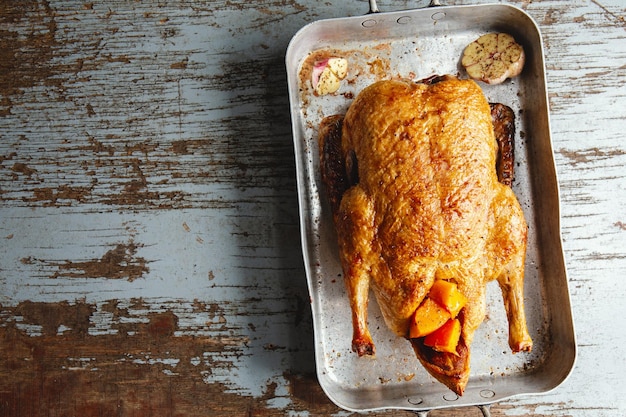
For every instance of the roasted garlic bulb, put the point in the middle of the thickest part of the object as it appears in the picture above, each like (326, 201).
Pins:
(494, 57)
(327, 75)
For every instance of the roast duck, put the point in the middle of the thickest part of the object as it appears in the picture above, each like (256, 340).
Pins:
(418, 177)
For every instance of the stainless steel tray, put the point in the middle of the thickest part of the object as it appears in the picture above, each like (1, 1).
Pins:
(416, 44)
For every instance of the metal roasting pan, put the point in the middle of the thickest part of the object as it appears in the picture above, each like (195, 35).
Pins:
(416, 44)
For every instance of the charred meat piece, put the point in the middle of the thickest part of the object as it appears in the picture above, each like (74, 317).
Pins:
(503, 120)
(333, 165)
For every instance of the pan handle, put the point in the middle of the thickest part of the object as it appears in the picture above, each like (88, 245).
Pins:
(374, 5)
(485, 409)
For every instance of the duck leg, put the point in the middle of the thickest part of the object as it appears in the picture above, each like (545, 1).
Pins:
(355, 233)
(513, 233)
(511, 284)
(353, 216)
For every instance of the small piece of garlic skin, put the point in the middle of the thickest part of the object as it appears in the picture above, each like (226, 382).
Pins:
(327, 75)
(494, 57)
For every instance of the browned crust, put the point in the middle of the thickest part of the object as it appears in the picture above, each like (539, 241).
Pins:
(332, 163)
(503, 120)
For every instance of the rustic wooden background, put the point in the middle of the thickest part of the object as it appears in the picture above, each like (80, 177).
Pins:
(150, 260)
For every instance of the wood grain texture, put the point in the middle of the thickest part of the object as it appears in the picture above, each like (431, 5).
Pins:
(150, 257)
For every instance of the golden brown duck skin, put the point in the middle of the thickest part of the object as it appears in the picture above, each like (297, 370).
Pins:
(416, 197)
(333, 167)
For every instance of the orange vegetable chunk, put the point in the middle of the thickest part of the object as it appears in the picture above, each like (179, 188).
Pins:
(445, 338)
(448, 295)
(428, 317)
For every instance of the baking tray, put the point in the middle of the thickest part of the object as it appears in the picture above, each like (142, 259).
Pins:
(416, 44)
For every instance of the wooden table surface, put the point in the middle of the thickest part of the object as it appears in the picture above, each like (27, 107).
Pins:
(150, 260)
